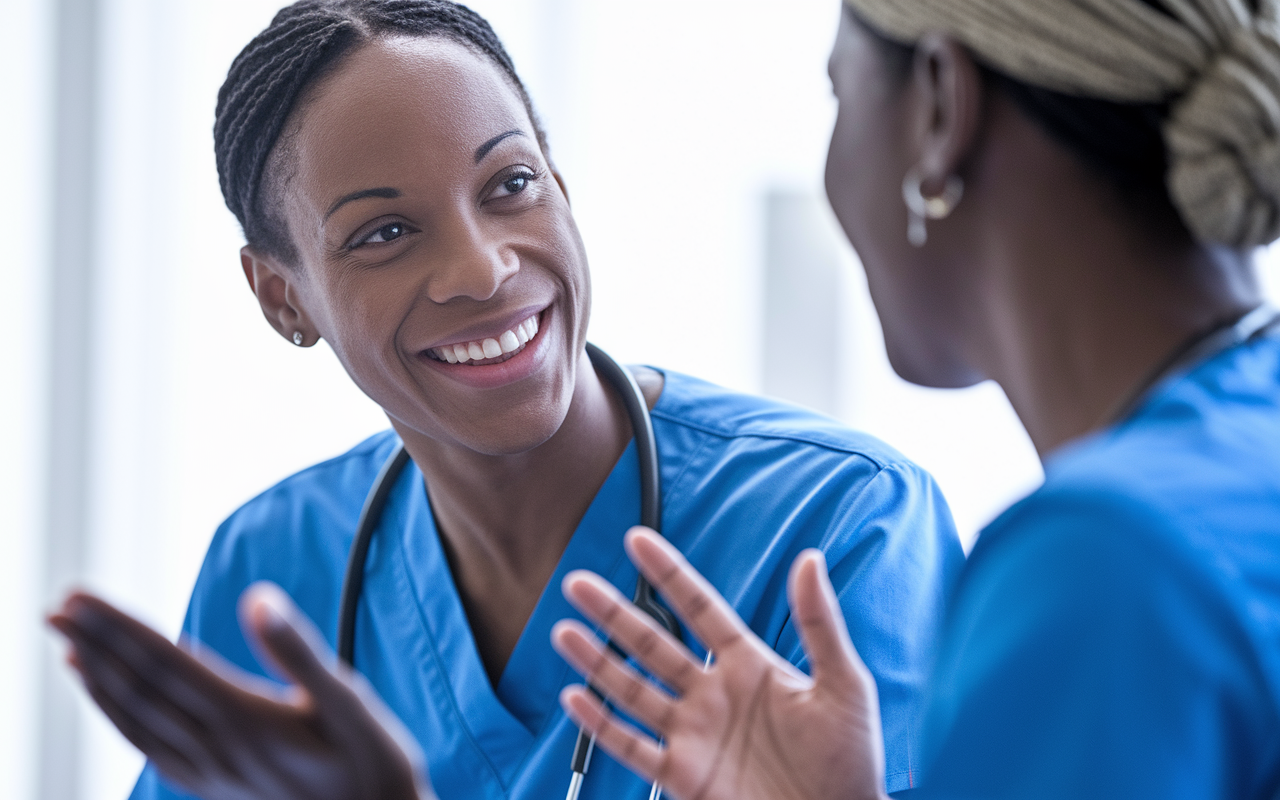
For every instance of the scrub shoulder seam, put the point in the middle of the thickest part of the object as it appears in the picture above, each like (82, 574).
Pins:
(799, 438)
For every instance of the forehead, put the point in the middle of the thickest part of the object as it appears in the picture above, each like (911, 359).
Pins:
(426, 100)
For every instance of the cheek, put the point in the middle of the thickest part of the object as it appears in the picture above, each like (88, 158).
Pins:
(555, 246)
(361, 319)
(864, 184)
(360, 308)
(863, 179)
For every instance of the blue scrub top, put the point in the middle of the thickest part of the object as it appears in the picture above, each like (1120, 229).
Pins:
(1117, 633)
(747, 484)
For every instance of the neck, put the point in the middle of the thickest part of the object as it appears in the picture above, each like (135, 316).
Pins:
(1076, 300)
(505, 520)
(1094, 317)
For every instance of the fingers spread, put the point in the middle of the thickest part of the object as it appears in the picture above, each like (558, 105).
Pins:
(638, 752)
(611, 676)
(834, 663)
(688, 594)
(631, 629)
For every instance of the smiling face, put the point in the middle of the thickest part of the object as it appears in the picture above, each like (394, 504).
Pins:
(437, 253)
(918, 292)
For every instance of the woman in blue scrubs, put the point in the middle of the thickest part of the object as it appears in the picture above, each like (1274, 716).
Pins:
(398, 200)
(1062, 196)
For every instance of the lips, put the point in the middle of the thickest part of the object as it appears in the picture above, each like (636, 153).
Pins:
(490, 350)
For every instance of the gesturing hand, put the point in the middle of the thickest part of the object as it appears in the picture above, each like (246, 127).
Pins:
(749, 726)
(219, 733)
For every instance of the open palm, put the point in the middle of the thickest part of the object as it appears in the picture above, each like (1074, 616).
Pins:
(750, 725)
(222, 734)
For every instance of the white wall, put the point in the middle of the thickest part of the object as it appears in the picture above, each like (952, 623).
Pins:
(24, 165)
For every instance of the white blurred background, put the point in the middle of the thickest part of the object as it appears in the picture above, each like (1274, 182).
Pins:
(143, 397)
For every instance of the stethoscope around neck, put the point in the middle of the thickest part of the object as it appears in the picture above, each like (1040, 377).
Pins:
(650, 516)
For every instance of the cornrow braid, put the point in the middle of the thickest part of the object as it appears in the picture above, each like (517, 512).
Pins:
(303, 43)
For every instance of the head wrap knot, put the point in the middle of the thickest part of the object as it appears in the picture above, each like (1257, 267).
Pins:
(1216, 62)
(1223, 137)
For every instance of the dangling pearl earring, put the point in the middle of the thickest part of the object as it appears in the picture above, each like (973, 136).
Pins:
(920, 208)
(297, 338)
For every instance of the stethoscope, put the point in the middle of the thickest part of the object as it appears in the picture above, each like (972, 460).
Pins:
(650, 516)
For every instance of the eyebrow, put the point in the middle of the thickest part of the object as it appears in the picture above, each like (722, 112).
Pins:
(483, 150)
(382, 191)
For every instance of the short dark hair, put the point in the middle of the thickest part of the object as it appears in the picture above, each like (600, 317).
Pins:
(304, 42)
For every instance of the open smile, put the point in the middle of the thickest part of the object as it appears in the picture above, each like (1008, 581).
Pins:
(493, 350)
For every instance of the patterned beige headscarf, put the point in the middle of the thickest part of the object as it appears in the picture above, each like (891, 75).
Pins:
(1216, 61)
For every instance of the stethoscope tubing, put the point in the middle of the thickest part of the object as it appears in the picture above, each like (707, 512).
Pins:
(645, 597)
(353, 580)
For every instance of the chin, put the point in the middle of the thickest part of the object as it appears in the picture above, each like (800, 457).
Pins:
(522, 431)
(934, 370)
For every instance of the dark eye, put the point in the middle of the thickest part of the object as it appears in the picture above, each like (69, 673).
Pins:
(387, 233)
(514, 183)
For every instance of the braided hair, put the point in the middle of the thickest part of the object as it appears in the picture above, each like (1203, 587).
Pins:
(304, 42)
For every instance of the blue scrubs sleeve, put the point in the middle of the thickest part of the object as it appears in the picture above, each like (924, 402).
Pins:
(893, 556)
(1088, 654)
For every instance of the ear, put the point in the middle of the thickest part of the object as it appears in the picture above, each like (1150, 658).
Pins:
(276, 287)
(555, 173)
(948, 97)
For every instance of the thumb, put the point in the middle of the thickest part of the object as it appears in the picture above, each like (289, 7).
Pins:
(834, 663)
(288, 643)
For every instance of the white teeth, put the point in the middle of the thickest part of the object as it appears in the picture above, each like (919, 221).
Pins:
(509, 342)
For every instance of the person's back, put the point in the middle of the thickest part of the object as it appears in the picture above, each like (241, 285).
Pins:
(1127, 614)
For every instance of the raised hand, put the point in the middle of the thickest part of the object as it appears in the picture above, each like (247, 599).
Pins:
(749, 726)
(221, 734)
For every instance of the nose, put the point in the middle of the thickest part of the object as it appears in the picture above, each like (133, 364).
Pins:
(471, 264)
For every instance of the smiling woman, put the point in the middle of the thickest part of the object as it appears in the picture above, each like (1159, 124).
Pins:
(398, 201)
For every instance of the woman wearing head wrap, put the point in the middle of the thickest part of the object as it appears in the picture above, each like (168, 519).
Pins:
(1062, 196)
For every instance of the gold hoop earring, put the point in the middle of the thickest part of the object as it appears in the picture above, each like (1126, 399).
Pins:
(921, 208)
(297, 338)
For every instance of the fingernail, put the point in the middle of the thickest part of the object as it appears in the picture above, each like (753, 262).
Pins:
(272, 617)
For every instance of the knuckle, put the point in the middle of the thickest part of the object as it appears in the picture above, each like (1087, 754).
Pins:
(598, 668)
(633, 690)
(648, 641)
(697, 605)
(666, 718)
